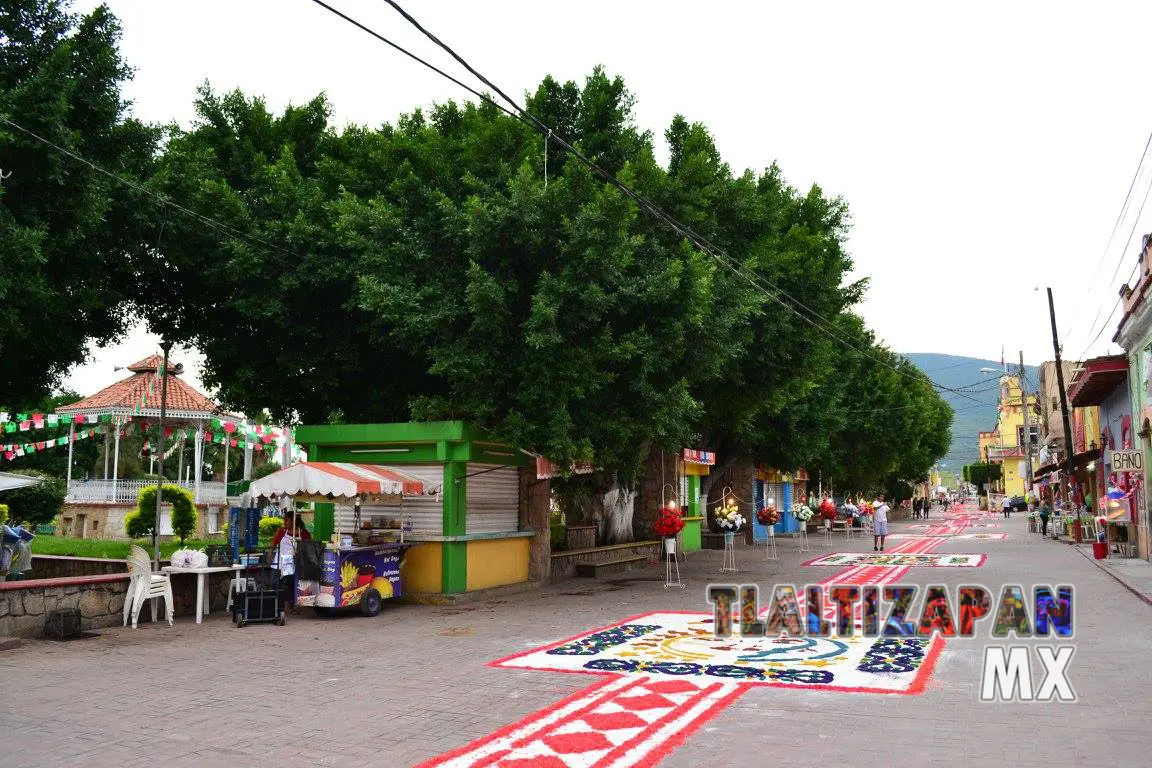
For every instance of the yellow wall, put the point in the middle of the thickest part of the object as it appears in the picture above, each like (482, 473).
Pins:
(422, 568)
(495, 562)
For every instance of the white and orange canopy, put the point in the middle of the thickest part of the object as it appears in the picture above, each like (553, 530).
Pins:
(337, 479)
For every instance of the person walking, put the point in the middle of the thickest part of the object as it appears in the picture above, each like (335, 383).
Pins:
(1045, 513)
(1007, 507)
(879, 523)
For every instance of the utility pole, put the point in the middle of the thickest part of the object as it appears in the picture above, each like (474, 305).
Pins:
(1063, 395)
(1027, 430)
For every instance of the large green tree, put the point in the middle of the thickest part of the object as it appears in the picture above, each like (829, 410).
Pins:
(434, 269)
(68, 234)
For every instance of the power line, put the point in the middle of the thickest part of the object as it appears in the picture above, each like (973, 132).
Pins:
(759, 281)
(217, 225)
(1112, 235)
(1117, 303)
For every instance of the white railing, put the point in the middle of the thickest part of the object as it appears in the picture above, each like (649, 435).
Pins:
(128, 491)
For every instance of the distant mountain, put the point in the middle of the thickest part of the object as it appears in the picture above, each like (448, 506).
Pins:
(974, 404)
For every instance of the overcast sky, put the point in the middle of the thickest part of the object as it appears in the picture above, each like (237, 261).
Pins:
(984, 148)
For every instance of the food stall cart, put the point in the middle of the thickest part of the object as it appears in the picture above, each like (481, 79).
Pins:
(360, 567)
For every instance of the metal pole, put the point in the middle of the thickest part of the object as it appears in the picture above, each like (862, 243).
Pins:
(166, 346)
(1063, 394)
(116, 460)
(1027, 430)
(71, 442)
(198, 459)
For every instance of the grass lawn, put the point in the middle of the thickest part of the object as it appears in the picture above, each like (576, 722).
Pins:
(110, 548)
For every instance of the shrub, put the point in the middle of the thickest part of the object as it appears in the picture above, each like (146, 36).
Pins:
(38, 503)
(269, 526)
(3, 514)
(140, 521)
(265, 469)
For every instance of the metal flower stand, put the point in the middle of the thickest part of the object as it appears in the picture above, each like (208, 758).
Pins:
(770, 548)
(729, 552)
(804, 537)
(827, 532)
(671, 565)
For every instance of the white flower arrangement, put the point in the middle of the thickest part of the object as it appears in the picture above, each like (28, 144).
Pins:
(729, 518)
(802, 512)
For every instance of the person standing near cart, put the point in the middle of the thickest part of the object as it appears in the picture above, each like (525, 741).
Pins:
(284, 547)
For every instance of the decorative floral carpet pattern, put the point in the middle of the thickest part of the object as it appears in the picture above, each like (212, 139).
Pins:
(899, 559)
(663, 675)
(682, 646)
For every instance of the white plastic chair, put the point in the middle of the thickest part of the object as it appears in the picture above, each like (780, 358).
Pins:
(146, 585)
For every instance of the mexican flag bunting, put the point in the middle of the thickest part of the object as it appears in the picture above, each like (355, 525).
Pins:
(21, 417)
(52, 419)
(25, 425)
(3, 417)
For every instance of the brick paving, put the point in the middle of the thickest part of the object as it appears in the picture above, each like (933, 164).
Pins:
(413, 683)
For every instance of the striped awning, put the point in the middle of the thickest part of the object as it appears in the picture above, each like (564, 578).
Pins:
(546, 469)
(706, 458)
(337, 479)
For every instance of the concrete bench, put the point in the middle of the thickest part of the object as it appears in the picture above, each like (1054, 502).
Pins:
(588, 569)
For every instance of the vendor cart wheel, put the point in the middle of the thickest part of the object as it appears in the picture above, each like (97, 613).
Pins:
(370, 603)
(322, 611)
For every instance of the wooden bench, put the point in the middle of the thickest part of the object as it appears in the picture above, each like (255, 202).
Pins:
(588, 569)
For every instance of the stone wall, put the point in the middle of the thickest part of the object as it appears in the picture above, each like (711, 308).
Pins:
(535, 505)
(57, 567)
(106, 521)
(25, 605)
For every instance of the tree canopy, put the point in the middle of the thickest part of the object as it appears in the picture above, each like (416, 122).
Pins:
(447, 266)
(70, 234)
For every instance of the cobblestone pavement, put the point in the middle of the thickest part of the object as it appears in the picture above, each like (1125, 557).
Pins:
(414, 682)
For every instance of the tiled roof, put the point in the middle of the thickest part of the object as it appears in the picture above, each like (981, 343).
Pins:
(131, 392)
(150, 363)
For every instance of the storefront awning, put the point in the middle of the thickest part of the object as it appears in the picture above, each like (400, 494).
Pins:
(1081, 460)
(707, 458)
(339, 480)
(1097, 379)
(546, 469)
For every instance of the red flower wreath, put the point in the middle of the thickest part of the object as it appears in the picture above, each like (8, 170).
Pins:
(768, 516)
(668, 522)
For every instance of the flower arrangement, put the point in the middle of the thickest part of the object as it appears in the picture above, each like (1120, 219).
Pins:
(828, 509)
(728, 517)
(802, 512)
(668, 522)
(851, 510)
(768, 515)
(866, 508)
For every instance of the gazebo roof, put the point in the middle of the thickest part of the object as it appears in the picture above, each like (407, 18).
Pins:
(139, 395)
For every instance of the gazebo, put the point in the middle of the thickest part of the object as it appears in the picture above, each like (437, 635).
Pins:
(137, 398)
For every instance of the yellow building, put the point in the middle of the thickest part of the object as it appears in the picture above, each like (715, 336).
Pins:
(1005, 444)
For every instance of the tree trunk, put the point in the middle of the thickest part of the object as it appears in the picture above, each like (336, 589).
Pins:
(613, 514)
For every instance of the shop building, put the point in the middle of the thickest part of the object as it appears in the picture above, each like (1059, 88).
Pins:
(482, 521)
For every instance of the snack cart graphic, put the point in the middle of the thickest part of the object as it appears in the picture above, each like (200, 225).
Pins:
(363, 576)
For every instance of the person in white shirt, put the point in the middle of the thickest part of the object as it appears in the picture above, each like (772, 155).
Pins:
(879, 523)
(1007, 506)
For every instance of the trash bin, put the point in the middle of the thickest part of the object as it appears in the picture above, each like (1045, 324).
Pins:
(1100, 549)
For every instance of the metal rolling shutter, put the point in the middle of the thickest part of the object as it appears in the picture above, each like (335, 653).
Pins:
(493, 499)
(427, 512)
